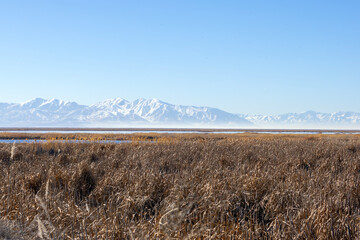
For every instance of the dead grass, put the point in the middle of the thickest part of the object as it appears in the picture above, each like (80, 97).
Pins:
(183, 187)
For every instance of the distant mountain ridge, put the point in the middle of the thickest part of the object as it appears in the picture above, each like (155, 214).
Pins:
(306, 119)
(120, 113)
(116, 111)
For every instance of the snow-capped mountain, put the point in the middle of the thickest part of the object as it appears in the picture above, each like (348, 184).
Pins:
(119, 112)
(39, 109)
(305, 119)
(41, 112)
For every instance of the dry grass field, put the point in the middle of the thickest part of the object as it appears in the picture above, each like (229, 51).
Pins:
(185, 186)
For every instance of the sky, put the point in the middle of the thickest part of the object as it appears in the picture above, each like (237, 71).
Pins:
(254, 57)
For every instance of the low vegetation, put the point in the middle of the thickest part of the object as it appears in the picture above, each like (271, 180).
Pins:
(183, 187)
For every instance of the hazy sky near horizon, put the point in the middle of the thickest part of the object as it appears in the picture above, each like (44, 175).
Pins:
(264, 56)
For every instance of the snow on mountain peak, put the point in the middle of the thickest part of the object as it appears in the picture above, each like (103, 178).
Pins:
(111, 102)
(53, 102)
(35, 102)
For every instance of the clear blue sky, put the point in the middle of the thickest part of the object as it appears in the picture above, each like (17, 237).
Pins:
(240, 56)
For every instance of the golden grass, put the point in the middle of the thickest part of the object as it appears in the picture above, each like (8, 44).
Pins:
(187, 186)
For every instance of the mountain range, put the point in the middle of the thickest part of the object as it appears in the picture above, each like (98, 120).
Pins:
(119, 112)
